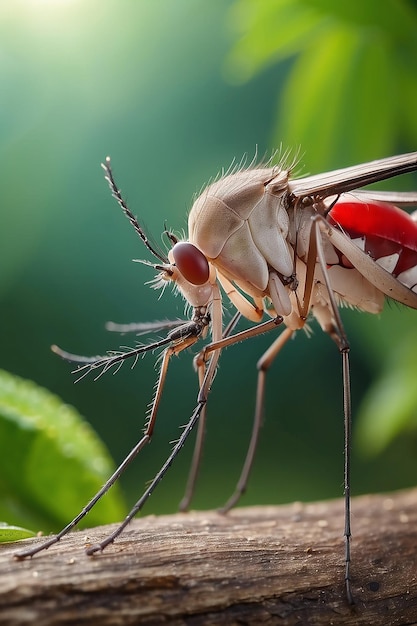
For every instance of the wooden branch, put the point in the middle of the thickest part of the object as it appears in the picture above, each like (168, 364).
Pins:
(258, 565)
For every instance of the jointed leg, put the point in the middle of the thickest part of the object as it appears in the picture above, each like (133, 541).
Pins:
(263, 365)
(199, 443)
(119, 471)
(197, 454)
(338, 334)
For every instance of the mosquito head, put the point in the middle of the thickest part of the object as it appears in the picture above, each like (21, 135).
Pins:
(188, 259)
(191, 272)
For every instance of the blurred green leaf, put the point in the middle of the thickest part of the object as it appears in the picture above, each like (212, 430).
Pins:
(398, 17)
(51, 461)
(390, 406)
(269, 33)
(352, 65)
(335, 119)
(13, 533)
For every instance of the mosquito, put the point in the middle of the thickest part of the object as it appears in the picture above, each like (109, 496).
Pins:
(282, 249)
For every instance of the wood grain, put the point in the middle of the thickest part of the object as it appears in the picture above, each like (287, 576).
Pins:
(257, 565)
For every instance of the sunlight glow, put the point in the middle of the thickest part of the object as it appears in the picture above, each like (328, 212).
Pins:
(50, 2)
(45, 11)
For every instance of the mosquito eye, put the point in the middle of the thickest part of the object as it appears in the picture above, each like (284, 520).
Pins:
(191, 262)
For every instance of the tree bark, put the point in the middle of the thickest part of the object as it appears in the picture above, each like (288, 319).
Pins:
(257, 565)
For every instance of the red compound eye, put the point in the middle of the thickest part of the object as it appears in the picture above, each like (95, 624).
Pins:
(191, 262)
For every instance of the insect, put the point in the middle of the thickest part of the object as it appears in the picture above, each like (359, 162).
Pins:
(281, 249)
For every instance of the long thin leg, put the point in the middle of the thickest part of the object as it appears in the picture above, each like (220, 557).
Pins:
(215, 349)
(139, 504)
(259, 329)
(199, 443)
(340, 338)
(197, 454)
(202, 357)
(263, 365)
(113, 478)
(202, 399)
(119, 471)
(347, 452)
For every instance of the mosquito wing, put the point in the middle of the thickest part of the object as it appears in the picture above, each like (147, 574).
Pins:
(350, 178)
(399, 198)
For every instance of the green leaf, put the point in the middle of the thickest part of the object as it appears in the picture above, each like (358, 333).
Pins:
(390, 406)
(13, 533)
(350, 92)
(304, 120)
(270, 32)
(331, 96)
(51, 461)
(407, 98)
(397, 17)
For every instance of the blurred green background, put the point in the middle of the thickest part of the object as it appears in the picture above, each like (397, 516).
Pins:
(175, 90)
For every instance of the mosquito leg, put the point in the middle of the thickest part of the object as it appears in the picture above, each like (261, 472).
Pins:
(196, 460)
(119, 471)
(248, 333)
(347, 455)
(199, 444)
(204, 390)
(216, 346)
(338, 334)
(113, 478)
(201, 401)
(139, 504)
(263, 365)
(140, 328)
